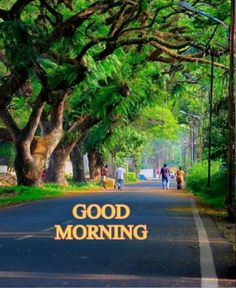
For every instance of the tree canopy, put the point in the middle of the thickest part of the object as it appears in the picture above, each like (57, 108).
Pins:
(107, 72)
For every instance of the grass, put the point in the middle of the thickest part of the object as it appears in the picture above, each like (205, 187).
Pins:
(216, 201)
(20, 194)
(197, 180)
(202, 208)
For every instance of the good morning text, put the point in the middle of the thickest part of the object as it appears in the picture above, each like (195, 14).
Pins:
(101, 231)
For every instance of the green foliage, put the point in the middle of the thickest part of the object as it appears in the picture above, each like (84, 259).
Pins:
(149, 109)
(131, 176)
(157, 123)
(22, 42)
(21, 194)
(197, 183)
(7, 153)
(101, 70)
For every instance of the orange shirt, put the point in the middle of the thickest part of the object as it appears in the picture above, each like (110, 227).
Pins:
(180, 175)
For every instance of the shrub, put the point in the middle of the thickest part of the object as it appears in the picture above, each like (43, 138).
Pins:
(197, 182)
(131, 176)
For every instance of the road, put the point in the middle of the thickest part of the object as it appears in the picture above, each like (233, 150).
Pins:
(182, 248)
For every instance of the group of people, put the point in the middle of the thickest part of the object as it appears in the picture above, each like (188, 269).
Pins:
(120, 175)
(165, 177)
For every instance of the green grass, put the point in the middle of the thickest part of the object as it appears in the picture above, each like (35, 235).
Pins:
(216, 202)
(197, 183)
(20, 194)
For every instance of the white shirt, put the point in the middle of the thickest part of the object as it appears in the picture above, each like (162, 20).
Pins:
(120, 173)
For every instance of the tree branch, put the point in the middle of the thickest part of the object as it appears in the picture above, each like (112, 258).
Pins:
(29, 130)
(91, 44)
(149, 25)
(56, 119)
(56, 14)
(124, 16)
(70, 25)
(84, 123)
(158, 43)
(186, 58)
(44, 123)
(11, 86)
(5, 135)
(17, 8)
(9, 123)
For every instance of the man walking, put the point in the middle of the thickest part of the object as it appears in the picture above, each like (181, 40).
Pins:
(165, 174)
(120, 172)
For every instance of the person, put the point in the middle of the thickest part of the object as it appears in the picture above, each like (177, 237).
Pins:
(104, 172)
(165, 174)
(179, 178)
(120, 173)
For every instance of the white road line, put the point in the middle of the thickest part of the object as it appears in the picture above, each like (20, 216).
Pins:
(208, 273)
(48, 229)
(24, 237)
(52, 228)
(44, 230)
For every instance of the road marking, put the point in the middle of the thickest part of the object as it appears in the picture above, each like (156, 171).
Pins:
(24, 237)
(208, 273)
(48, 229)
(52, 228)
(44, 230)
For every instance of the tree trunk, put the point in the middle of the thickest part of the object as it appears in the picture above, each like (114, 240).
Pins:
(231, 119)
(136, 169)
(56, 169)
(57, 163)
(113, 165)
(95, 161)
(33, 151)
(29, 168)
(92, 164)
(76, 157)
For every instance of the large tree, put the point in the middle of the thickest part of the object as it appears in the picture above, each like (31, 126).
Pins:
(58, 41)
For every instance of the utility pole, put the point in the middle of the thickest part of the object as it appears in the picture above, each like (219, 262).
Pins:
(196, 122)
(200, 131)
(191, 133)
(231, 115)
(210, 118)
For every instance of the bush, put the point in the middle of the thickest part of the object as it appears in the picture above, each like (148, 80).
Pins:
(131, 176)
(197, 180)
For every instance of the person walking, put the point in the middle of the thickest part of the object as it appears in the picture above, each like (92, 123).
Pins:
(165, 174)
(104, 172)
(180, 178)
(120, 175)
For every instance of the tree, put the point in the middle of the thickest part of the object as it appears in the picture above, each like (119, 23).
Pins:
(63, 40)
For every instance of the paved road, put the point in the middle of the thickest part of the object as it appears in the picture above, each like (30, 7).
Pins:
(182, 249)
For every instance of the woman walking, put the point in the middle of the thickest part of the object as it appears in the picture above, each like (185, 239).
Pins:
(179, 178)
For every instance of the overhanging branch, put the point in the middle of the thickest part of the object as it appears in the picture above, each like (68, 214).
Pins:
(9, 123)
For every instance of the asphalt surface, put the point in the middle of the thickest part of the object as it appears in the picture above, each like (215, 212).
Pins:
(170, 257)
